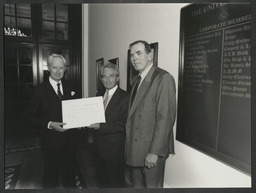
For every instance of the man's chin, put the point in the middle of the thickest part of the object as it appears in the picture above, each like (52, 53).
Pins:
(137, 69)
(56, 79)
(109, 87)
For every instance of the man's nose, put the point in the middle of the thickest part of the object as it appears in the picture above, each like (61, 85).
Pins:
(58, 70)
(135, 57)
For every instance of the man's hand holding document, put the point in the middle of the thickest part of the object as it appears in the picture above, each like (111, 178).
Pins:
(83, 112)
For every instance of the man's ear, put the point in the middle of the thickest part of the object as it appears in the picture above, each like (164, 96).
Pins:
(150, 56)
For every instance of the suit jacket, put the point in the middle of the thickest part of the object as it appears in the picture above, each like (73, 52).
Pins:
(111, 134)
(45, 105)
(149, 127)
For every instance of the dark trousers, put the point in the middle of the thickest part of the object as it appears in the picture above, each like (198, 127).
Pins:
(110, 173)
(143, 177)
(60, 159)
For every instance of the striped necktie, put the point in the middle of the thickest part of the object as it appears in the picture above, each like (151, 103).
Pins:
(59, 92)
(105, 102)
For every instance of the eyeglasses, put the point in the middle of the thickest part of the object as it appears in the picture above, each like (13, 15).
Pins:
(110, 77)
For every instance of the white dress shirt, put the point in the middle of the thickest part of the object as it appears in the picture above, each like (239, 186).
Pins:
(110, 94)
(54, 85)
(144, 74)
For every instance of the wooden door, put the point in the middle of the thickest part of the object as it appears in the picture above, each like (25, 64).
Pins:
(20, 77)
(32, 33)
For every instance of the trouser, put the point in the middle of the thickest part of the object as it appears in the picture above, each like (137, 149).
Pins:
(60, 158)
(143, 177)
(110, 173)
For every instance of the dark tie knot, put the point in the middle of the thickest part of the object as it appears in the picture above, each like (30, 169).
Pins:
(139, 78)
(138, 82)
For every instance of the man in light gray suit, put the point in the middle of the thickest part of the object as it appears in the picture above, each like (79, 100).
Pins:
(151, 116)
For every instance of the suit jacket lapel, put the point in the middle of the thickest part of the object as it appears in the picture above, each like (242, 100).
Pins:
(51, 96)
(142, 90)
(65, 92)
(53, 93)
(113, 101)
(51, 89)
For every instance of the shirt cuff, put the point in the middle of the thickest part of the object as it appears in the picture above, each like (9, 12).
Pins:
(48, 126)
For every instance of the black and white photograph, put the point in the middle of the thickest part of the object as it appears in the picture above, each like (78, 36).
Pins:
(158, 96)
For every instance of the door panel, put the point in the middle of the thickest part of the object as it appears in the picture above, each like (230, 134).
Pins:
(20, 76)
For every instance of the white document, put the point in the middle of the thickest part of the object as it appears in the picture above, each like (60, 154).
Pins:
(83, 112)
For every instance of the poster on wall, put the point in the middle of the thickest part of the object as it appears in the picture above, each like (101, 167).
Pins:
(214, 109)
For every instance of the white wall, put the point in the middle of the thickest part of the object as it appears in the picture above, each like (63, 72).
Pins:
(112, 27)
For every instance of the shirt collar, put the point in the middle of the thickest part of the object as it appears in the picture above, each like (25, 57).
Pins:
(112, 90)
(145, 72)
(53, 82)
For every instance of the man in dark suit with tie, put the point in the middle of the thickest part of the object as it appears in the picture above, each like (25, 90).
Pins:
(111, 135)
(45, 112)
(151, 116)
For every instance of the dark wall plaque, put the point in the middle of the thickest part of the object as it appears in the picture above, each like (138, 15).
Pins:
(214, 99)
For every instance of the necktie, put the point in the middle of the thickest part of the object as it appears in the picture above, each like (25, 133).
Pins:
(59, 92)
(105, 102)
(135, 89)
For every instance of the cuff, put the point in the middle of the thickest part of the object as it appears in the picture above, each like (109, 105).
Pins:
(48, 126)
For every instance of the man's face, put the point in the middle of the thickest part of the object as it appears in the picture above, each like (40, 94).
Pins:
(57, 69)
(139, 58)
(109, 78)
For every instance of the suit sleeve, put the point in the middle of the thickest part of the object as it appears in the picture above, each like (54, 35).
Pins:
(165, 117)
(118, 125)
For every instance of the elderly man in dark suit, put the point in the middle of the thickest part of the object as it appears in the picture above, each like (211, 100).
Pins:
(151, 116)
(45, 112)
(111, 135)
